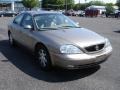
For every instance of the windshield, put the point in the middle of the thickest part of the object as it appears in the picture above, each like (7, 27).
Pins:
(53, 21)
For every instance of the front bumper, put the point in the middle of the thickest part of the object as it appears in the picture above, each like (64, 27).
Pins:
(74, 61)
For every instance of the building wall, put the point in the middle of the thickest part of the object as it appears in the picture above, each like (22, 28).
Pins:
(14, 5)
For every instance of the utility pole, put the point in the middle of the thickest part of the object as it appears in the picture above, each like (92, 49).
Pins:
(65, 5)
(79, 4)
(79, 1)
(85, 4)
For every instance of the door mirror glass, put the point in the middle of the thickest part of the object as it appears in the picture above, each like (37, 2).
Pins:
(28, 27)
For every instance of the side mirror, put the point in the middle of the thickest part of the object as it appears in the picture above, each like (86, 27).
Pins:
(77, 23)
(28, 27)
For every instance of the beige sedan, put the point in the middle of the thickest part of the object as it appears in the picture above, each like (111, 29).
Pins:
(56, 40)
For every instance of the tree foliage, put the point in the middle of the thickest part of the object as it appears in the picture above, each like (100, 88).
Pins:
(118, 3)
(52, 4)
(83, 6)
(77, 6)
(98, 3)
(30, 3)
(57, 4)
(109, 4)
(70, 4)
(109, 9)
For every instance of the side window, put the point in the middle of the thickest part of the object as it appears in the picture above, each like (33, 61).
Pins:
(27, 20)
(18, 19)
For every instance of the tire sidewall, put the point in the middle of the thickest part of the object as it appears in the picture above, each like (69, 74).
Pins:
(48, 63)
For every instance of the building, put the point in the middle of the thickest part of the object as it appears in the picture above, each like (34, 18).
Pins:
(13, 5)
(101, 9)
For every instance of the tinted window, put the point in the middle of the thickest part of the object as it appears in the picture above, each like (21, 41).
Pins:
(27, 21)
(18, 19)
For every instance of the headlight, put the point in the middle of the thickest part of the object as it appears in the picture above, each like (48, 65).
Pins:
(107, 42)
(70, 49)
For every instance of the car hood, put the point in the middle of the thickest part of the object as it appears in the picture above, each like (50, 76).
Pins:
(78, 36)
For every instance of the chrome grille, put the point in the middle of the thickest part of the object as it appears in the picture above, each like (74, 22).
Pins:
(94, 48)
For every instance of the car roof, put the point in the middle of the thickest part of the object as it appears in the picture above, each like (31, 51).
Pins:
(41, 12)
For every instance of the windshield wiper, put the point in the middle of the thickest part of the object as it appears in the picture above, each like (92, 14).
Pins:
(47, 28)
(69, 27)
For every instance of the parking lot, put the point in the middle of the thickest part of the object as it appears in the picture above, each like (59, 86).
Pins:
(19, 72)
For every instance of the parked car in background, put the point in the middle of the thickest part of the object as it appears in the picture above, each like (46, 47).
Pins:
(8, 13)
(71, 12)
(75, 13)
(56, 40)
(68, 13)
(1, 13)
(115, 14)
(81, 13)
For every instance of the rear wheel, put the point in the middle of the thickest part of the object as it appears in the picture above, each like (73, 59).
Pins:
(43, 57)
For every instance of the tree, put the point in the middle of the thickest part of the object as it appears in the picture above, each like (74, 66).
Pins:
(77, 6)
(52, 4)
(109, 9)
(118, 3)
(98, 3)
(109, 4)
(70, 4)
(57, 4)
(30, 3)
(82, 6)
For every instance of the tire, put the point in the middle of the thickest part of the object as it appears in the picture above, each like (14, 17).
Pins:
(43, 58)
(2, 15)
(11, 40)
(13, 15)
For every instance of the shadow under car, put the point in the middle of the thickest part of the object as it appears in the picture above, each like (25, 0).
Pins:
(25, 62)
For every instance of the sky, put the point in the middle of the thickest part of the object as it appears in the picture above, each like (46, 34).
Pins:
(106, 1)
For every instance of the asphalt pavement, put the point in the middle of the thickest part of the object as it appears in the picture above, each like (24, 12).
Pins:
(19, 72)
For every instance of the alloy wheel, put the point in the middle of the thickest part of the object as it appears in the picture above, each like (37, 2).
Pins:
(42, 58)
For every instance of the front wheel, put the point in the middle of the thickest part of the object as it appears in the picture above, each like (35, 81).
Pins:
(43, 57)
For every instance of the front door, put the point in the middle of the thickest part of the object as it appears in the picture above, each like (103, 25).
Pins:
(26, 34)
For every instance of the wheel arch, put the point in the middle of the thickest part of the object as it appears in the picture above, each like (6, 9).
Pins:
(38, 44)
